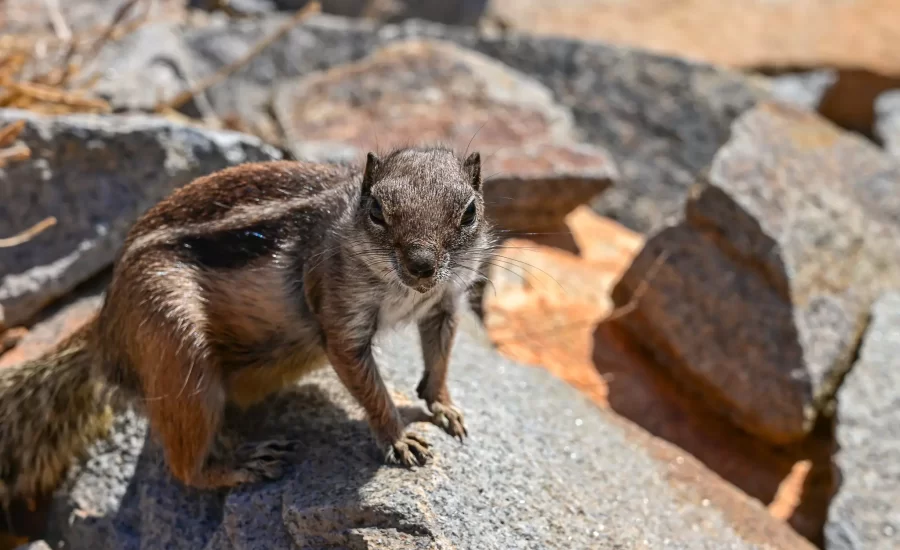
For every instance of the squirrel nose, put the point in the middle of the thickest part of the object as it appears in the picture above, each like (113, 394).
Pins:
(420, 262)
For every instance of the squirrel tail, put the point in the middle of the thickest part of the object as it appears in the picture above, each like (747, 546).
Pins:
(51, 410)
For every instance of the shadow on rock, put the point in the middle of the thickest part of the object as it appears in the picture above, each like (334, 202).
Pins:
(319, 500)
(795, 481)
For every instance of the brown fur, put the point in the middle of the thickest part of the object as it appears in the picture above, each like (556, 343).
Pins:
(239, 284)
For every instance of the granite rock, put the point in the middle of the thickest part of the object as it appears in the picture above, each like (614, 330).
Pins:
(887, 123)
(865, 512)
(421, 92)
(95, 174)
(758, 298)
(554, 472)
(661, 119)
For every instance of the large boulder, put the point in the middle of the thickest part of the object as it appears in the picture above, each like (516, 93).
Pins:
(613, 92)
(543, 468)
(428, 92)
(865, 513)
(758, 298)
(95, 175)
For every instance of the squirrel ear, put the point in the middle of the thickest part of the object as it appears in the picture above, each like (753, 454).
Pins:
(373, 163)
(472, 166)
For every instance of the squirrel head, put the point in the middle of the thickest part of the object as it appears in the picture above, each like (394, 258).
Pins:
(421, 213)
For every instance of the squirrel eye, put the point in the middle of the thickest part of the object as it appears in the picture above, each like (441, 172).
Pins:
(468, 217)
(375, 212)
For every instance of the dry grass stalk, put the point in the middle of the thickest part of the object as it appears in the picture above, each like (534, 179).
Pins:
(14, 154)
(10, 132)
(28, 234)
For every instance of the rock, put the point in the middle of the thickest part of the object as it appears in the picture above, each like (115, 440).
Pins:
(553, 472)
(887, 126)
(546, 311)
(614, 94)
(865, 512)
(803, 89)
(435, 92)
(57, 321)
(448, 12)
(146, 67)
(77, 16)
(38, 545)
(745, 35)
(95, 174)
(758, 298)
(11, 337)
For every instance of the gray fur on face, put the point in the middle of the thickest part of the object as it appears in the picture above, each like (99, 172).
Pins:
(422, 196)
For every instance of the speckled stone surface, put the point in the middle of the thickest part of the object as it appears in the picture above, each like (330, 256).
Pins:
(865, 513)
(95, 174)
(762, 298)
(543, 468)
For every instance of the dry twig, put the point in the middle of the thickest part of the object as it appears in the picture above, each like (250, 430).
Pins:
(10, 132)
(14, 154)
(228, 70)
(28, 234)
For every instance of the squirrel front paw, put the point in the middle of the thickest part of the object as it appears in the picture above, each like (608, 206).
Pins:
(407, 450)
(450, 419)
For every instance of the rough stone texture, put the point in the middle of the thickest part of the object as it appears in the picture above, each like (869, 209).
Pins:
(865, 513)
(95, 174)
(746, 34)
(58, 321)
(804, 89)
(761, 300)
(78, 16)
(662, 119)
(541, 473)
(887, 125)
(448, 12)
(435, 92)
(546, 310)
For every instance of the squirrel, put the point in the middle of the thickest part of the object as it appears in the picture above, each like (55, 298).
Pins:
(240, 283)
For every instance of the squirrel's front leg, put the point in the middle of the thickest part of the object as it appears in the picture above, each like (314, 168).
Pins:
(353, 362)
(437, 331)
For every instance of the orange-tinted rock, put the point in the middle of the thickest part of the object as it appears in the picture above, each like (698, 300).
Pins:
(861, 34)
(547, 314)
(9, 338)
(56, 323)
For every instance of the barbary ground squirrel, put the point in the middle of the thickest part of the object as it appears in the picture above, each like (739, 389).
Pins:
(238, 284)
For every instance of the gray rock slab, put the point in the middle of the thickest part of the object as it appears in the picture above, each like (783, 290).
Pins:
(865, 512)
(661, 118)
(543, 468)
(762, 292)
(95, 174)
(887, 121)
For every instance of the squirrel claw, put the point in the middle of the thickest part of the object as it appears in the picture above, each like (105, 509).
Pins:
(450, 419)
(408, 450)
(266, 460)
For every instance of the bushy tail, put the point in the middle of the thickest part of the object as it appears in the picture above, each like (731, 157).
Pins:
(51, 410)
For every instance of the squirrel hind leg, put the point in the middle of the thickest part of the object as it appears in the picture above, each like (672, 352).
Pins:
(185, 407)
